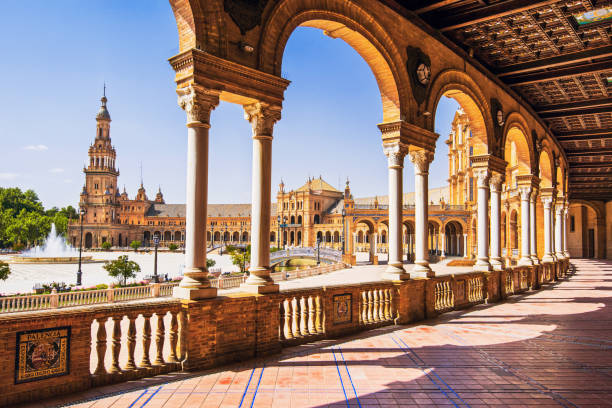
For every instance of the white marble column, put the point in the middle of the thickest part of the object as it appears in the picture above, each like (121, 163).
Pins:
(565, 221)
(443, 238)
(495, 186)
(482, 261)
(395, 154)
(421, 160)
(262, 118)
(198, 104)
(552, 230)
(559, 231)
(466, 253)
(532, 228)
(525, 192)
(547, 204)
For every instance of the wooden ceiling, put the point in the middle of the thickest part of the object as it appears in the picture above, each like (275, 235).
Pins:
(563, 70)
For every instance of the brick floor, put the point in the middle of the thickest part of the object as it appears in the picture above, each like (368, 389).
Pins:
(547, 349)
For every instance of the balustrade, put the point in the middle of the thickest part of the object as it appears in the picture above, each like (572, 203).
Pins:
(301, 316)
(444, 298)
(509, 284)
(376, 306)
(475, 289)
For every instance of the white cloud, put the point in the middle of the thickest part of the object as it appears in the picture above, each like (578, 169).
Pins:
(8, 176)
(56, 170)
(37, 148)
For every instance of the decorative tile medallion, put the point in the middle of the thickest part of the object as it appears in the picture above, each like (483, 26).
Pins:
(343, 311)
(42, 354)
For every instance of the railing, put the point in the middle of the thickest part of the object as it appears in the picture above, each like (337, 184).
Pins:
(376, 306)
(475, 292)
(227, 282)
(509, 284)
(149, 329)
(301, 316)
(523, 280)
(307, 272)
(324, 253)
(444, 298)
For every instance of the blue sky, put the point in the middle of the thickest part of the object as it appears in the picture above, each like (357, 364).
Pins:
(58, 54)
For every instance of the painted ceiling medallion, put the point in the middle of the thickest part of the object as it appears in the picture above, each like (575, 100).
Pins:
(500, 117)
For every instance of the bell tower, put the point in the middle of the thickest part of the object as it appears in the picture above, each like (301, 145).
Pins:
(99, 196)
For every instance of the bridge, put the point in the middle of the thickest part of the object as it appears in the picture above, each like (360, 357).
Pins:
(326, 255)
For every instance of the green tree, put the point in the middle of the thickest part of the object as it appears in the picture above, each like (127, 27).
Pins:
(240, 256)
(5, 271)
(122, 268)
(135, 245)
(210, 263)
(106, 245)
(172, 247)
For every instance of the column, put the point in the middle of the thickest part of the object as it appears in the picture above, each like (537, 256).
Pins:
(466, 253)
(559, 231)
(525, 192)
(262, 118)
(547, 203)
(552, 230)
(443, 238)
(395, 155)
(198, 104)
(482, 261)
(421, 160)
(532, 228)
(565, 220)
(495, 186)
(354, 252)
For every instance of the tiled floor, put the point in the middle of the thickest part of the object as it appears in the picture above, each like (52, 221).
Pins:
(547, 348)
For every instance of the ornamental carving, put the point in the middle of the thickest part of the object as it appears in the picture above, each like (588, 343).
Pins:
(418, 65)
(421, 160)
(498, 115)
(197, 103)
(245, 13)
(482, 178)
(395, 154)
(547, 202)
(537, 147)
(525, 192)
(496, 182)
(262, 117)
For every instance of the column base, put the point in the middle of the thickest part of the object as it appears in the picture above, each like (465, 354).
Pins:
(567, 254)
(482, 265)
(259, 289)
(560, 256)
(548, 259)
(535, 260)
(525, 262)
(194, 293)
(496, 264)
(395, 272)
(422, 269)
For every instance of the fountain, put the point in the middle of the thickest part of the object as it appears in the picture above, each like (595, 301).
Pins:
(54, 250)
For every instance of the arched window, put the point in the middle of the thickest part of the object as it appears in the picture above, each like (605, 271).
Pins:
(299, 220)
(316, 219)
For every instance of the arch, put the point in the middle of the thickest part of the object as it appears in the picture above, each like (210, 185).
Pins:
(146, 238)
(517, 129)
(514, 236)
(517, 152)
(245, 236)
(158, 234)
(316, 219)
(336, 236)
(88, 240)
(235, 236)
(178, 236)
(299, 238)
(462, 88)
(328, 236)
(320, 236)
(546, 166)
(383, 237)
(367, 222)
(299, 219)
(167, 236)
(360, 237)
(226, 236)
(217, 236)
(292, 238)
(208, 236)
(292, 219)
(462, 223)
(358, 28)
(272, 237)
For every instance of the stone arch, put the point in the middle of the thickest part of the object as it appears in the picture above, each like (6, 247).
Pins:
(167, 236)
(197, 29)
(235, 236)
(459, 86)
(88, 240)
(516, 129)
(369, 223)
(458, 220)
(358, 28)
(546, 166)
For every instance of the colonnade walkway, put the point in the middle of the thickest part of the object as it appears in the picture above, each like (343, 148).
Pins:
(548, 348)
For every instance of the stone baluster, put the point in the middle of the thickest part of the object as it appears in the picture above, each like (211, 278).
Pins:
(364, 307)
(370, 307)
(172, 357)
(160, 334)
(318, 315)
(295, 328)
(131, 343)
(311, 314)
(101, 340)
(387, 293)
(287, 315)
(115, 345)
(303, 317)
(376, 305)
(182, 336)
(146, 340)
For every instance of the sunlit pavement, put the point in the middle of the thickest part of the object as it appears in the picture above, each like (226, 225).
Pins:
(548, 348)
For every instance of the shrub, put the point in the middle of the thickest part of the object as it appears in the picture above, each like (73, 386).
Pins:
(172, 247)
(5, 271)
(122, 268)
(106, 245)
(210, 262)
(135, 245)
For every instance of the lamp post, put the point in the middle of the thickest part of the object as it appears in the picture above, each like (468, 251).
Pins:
(318, 251)
(79, 272)
(156, 243)
(284, 225)
(278, 222)
(343, 238)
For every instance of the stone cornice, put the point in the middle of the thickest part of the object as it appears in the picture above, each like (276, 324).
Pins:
(408, 134)
(491, 162)
(237, 83)
(528, 180)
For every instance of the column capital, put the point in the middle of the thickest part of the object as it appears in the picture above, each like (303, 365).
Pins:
(559, 209)
(534, 194)
(482, 175)
(421, 160)
(197, 102)
(495, 182)
(525, 192)
(547, 201)
(395, 153)
(262, 117)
